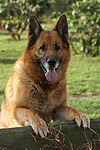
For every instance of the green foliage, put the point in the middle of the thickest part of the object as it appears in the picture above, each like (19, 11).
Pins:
(60, 6)
(84, 24)
(15, 14)
(83, 19)
(43, 6)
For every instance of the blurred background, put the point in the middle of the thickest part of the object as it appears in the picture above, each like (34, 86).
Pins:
(83, 75)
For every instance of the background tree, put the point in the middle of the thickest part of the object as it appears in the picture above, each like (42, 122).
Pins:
(83, 19)
(84, 24)
(61, 6)
(15, 14)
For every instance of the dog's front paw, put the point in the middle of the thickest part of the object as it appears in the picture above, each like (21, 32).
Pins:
(39, 126)
(82, 120)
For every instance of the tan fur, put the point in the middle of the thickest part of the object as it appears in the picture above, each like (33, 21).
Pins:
(29, 99)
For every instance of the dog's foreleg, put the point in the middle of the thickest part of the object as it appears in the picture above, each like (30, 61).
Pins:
(28, 117)
(65, 112)
(1, 122)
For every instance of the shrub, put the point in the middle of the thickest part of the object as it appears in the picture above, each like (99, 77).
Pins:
(84, 25)
(15, 14)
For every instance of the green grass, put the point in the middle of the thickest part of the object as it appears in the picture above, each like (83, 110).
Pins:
(83, 84)
(83, 76)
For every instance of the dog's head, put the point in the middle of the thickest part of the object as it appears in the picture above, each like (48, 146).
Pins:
(50, 48)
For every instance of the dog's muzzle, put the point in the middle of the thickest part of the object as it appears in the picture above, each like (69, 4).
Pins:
(49, 66)
(52, 62)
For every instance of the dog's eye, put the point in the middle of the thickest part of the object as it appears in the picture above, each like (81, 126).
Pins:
(56, 47)
(43, 47)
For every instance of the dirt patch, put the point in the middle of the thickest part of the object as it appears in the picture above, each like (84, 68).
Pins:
(83, 95)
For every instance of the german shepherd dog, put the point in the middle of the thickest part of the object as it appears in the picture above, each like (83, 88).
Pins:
(35, 93)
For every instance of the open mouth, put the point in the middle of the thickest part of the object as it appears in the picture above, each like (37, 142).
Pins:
(50, 73)
(43, 68)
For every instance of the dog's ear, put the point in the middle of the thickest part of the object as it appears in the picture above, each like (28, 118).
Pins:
(62, 28)
(34, 30)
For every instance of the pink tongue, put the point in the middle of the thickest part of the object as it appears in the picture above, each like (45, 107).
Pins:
(51, 75)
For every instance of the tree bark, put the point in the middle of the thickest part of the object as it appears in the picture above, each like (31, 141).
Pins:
(63, 136)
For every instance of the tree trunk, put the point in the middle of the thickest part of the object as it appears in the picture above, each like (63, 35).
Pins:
(63, 136)
(12, 34)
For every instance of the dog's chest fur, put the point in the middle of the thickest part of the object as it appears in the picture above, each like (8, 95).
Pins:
(44, 99)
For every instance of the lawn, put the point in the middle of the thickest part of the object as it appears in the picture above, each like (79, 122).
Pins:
(83, 76)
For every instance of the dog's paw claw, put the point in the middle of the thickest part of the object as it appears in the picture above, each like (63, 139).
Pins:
(82, 120)
(40, 127)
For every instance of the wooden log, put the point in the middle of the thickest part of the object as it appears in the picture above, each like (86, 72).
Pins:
(63, 136)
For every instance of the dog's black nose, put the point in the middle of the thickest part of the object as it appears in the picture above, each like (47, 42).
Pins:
(51, 61)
